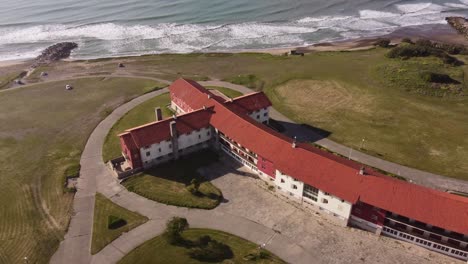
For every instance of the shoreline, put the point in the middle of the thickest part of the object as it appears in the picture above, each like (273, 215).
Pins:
(434, 32)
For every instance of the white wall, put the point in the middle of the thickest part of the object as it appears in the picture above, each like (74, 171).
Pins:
(195, 137)
(335, 204)
(155, 151)
(260, 116)
(332, 204)
(288, 185)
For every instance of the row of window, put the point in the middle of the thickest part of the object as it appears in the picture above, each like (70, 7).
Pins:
(426, 243)
(148, 153)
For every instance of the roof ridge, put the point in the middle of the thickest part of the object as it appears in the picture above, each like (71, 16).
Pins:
(164, 120)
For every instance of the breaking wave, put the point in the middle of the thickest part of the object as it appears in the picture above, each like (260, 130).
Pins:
(116, 39)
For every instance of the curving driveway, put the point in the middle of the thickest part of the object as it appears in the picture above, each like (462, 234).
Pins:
(257, 215)
(95, 177)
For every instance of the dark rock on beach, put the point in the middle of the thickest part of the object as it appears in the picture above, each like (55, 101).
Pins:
(55, 52)
(460, 24)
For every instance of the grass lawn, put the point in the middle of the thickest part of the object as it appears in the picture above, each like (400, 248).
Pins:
(157, 250)
(6, 79)
(167, 183)
(353, 95)
(43, 131)
(102, 233)
(226, 91)
(140, 115)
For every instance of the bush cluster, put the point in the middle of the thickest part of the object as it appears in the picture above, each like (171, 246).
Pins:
(210, 250)
(424, 48)
(114, 222)
(438, 78)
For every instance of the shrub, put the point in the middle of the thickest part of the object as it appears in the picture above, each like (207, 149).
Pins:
(114, 222)
(422, 48)
(173, 231)
(203, 241)
(384, 43)
(407, 40)
(214, 251)
(438, 78)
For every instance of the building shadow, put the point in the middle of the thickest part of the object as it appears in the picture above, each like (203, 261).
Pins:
(302, 132)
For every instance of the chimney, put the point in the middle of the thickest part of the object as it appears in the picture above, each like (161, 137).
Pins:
(362, 171)
(173, 129)
(174, 116)
(174, 139)
(209, 96)
(158, 113)
(204, 107)
(294, 142)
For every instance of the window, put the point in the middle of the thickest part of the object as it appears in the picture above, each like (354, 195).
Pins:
(258, 116)
(294, 186)
(159, 149)
(148, 153)
(170, 145)
(282, 180)
(208, 133)
(199, 136)
(325, 201)
(294, 179)
(326, 193)
(310, 192)
(265, 114)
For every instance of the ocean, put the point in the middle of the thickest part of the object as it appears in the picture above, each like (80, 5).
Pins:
(106, 28)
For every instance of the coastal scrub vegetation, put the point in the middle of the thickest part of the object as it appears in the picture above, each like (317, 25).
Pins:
(174, 182)
(181, 244)
(41, 139)
(110, 221)
(425, 48)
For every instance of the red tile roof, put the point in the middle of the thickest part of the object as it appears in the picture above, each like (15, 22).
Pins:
(340, 176)
(158, 131)
(316, 167)
(250, 102)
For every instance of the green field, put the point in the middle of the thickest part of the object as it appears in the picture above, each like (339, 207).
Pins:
(167, 183)
(157, 250)
(43, 130)
(102, 234)
(353, 95)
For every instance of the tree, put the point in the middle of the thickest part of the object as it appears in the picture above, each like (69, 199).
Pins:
(174, 228)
